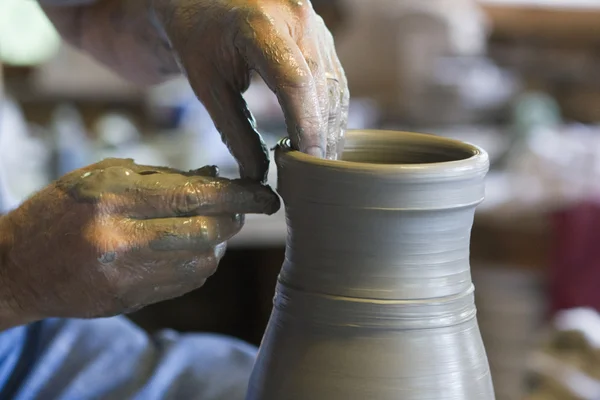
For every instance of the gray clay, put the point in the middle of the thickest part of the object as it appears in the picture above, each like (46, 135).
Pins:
(375, 300)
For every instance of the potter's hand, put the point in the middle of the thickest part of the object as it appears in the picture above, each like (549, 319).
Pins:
(218, 43)
(116, 236)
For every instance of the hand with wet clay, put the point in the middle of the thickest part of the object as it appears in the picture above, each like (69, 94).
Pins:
(217, 44)
(116, 236)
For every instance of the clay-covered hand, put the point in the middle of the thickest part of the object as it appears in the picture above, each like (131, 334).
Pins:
(116, 236)
(219, 42)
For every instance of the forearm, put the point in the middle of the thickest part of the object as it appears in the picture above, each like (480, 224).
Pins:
(119, 33)
(9, 310)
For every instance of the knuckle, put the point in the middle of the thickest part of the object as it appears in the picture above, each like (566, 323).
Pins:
(314, 66)
(301, 8)
(329, 39)
(345, 99)
(319, 21)
(299, 81)
(256, 15)
(249, 21)
(111, 173)
(192, 198)
(188, 198)
(85, 188)
(94, 185)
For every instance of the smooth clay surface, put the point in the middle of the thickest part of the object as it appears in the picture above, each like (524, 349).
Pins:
(375, 299)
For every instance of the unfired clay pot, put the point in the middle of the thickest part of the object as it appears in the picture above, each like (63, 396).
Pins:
(375, 300)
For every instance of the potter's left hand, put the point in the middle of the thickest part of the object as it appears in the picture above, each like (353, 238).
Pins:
(116, 236)
(220, 42)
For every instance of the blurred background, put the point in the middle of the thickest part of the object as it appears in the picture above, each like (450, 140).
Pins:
(517, 77)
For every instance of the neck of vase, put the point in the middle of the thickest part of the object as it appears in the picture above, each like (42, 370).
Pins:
(380, 230)
(382, 254)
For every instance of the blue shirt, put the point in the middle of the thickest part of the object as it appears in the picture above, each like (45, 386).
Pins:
(112, 358)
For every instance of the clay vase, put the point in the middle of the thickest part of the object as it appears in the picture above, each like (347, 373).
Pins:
(375, 299)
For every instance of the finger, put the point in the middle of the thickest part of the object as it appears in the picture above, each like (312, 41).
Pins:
(344, 93)
(334, 116)
(151, 268)
(163, 196)
(129, 163)
(152, 169)
(237, 127)
(208, 170)
(338, 95)
(281, 64)
(327, 79)
(319, 69)
(192, 267)
(198, 234)
(119, 189)
(146, 276)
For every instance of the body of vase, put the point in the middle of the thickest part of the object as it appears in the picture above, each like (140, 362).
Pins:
(375, 299)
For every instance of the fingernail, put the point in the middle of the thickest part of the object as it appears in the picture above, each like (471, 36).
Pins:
(315, 151)
(268, 199)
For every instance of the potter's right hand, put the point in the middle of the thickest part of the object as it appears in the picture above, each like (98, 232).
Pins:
(116, 236)
(220, 43)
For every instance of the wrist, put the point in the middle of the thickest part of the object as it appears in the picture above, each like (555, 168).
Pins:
(120, 34)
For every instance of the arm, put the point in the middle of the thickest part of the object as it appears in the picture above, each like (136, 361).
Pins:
(83, 359)
(119, 33)
(9, 315)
